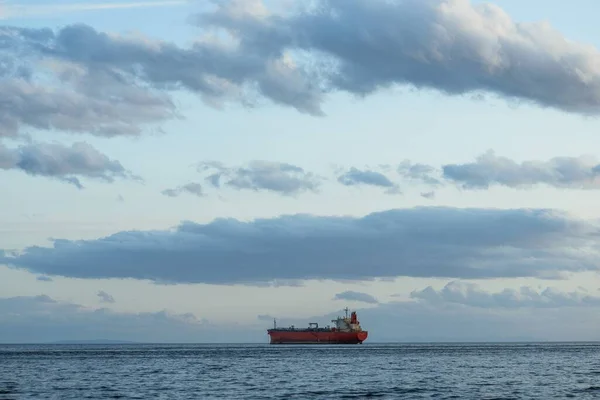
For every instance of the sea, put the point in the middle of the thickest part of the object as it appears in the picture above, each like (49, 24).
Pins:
(257, 371)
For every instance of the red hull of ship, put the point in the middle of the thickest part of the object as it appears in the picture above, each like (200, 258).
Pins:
(312, 337)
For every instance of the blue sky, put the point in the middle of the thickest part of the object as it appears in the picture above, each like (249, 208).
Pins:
(506, 238)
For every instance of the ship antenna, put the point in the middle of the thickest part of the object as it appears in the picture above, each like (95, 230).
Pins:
(274, 323)
(346, 309)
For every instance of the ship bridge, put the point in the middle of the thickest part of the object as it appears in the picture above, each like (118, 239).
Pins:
(347, 324)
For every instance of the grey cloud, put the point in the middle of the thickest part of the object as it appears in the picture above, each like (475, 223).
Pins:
(295, 59)
(66, 163)
(105, 297)
(421, 173)
(282, 178)
(354, 176)
(218, 72)
(451, 46)
(428, 195)
(560, 172)
(43, 319)
(77, 100)
(43, 279)
(214, 179)
(191, 188)
(417, 242)
(472, 295)
(351, 295)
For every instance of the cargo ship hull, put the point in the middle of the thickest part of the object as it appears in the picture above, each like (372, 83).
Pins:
(316, 337)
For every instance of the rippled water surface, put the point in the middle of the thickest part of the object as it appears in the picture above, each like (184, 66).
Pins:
(407, 371)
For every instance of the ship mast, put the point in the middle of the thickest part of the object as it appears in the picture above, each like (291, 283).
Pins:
(346, 309)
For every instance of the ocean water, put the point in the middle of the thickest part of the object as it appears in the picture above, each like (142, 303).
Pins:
(387, 371)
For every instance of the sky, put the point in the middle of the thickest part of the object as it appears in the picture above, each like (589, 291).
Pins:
(187, 171)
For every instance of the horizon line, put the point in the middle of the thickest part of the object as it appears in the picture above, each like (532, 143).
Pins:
(129, 342)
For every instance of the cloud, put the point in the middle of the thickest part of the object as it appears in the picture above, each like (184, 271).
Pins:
(451, 46)
(43, 279)
(421, 173)
(428, 195)
(296, 58)
(356, 296)
(40, 319)
(418, 321)
(105, 297)
(354, 176)
(560, 172)
(191, 188)
(416, 242)
(63, 96)
(65, 163)
(214, 70)
(282, 178)
(472, 295)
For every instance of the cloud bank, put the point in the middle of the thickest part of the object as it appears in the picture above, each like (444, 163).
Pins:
(552, 315)
(417, 242)
(451, 46)
(418, 321)
(489, 169)
(65, 163)
(41, 319)
(80, 80)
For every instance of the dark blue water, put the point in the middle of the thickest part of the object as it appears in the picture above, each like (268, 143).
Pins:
(407, 371)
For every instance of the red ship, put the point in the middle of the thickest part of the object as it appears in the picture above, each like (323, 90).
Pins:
(346, 331)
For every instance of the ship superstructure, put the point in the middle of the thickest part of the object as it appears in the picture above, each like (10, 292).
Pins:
(346, 330)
